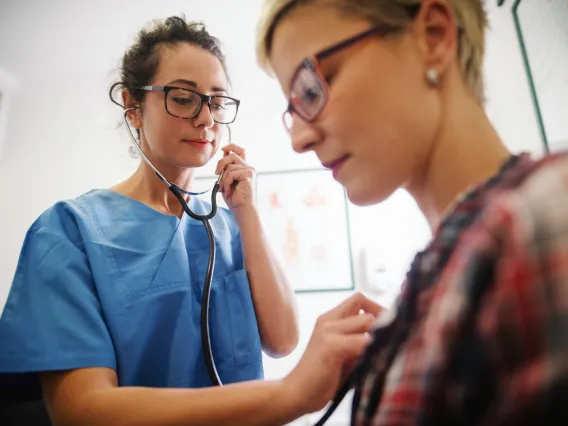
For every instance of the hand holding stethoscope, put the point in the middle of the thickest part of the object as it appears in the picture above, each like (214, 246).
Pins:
(237, 182)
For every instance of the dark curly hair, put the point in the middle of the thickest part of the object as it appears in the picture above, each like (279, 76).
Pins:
(141, 60)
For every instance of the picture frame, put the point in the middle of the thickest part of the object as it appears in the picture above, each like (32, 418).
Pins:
(542, 31)
(305, 217)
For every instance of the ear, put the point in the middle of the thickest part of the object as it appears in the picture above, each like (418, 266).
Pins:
(134, 116)
(438, 34)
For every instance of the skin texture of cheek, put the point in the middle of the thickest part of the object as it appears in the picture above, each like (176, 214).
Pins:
(158, 134)
(405, 113)
(392, 115)
(388, 152)
(163, 135)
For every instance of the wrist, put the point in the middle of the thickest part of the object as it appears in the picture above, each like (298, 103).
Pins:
(245, 214)
(290, 396)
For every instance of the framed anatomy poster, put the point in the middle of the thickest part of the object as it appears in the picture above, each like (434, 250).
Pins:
(542, 27)
(305, 217)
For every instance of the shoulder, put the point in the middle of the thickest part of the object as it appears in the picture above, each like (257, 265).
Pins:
(522, 198)
(519, 244)
(60, 218)
(65, 220)
(519, 233)
(543, 197)
(536, 209)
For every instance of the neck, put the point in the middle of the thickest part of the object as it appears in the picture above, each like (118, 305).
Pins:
(466, 152)
(145, 186)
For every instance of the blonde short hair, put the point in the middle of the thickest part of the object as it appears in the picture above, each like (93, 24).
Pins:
(470, 16)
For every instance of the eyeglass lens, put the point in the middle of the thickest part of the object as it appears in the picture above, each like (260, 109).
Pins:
(185, 104)
(307, 95)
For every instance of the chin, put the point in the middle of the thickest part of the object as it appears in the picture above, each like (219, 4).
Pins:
(193, 162)
(359, 199)
(362, 195)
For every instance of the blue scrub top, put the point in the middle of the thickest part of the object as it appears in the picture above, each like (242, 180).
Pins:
(106, 281)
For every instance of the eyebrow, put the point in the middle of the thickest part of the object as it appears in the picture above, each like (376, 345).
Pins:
(194, 84)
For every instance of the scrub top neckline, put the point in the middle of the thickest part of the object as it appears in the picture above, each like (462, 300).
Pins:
(191, 203)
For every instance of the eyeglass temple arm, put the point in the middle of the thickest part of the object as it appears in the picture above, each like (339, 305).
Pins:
(381, 29)
(153, 88)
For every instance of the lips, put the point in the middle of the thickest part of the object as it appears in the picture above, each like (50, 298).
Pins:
(334, 164)
(198, 143)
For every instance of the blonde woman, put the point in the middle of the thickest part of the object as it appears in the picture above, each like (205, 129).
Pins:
(389, 94)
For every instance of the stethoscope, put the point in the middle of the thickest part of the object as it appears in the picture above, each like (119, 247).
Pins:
(205, 300)
(204, 218)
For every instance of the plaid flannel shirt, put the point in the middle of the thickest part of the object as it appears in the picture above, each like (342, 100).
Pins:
(480, 336)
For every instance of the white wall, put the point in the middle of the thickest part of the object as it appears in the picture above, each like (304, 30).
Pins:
(62, 140)
(509, 102)
(8, 84)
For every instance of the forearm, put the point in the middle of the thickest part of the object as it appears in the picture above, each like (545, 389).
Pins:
(251, 403)
(273, 298)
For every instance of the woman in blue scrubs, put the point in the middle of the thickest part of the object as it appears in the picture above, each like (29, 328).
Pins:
(105, 304)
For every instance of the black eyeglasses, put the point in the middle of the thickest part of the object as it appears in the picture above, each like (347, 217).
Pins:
(309, 90)
(187, 103)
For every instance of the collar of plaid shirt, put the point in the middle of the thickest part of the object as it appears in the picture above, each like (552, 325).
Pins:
(369, 376)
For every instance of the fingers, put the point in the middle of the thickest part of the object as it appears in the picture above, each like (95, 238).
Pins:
(352, 306)
(340, 337)
(232, 158)
(235, 173)
(354, 328)
(354, 324)
(240, 151)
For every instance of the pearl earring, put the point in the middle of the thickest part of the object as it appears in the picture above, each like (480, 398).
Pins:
(432, 77)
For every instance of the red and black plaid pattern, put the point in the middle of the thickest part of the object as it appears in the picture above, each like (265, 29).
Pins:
(480, 336)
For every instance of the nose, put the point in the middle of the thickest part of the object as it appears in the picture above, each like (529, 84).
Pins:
(304, 136)
(204, 118)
